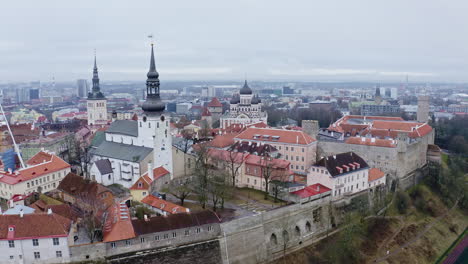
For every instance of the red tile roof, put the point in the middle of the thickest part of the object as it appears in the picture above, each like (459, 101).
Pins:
(387, 143)
(375, 174)
(34, 226)
(54, 164)
(215, 103)
(236, 157)
(157, 173)
(164, 205)
(206, 112)
(285, 136)
(311, 190)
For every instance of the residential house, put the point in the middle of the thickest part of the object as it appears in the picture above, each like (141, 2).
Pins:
(85, 194)
(163, 207)
(35, 238)
(344, 173)
(43, 173)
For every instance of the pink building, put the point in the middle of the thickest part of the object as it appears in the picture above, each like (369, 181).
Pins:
(294, 146)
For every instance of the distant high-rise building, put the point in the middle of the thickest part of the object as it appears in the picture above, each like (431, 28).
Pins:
(288, 90)
(378, 97)
(22, 94)
(82, 88)
(394, 93)
(34, 93)
(423, 108)
(388, 92)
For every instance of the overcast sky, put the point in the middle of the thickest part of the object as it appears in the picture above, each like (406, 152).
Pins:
(214, 40)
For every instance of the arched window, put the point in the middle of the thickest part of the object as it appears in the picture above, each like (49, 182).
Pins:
(297, 230)
(273, 239)
(308, 227)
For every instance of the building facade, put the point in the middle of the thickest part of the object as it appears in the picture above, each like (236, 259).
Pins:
(43, 173)
(345, 174)
(294, 146)
(35, 238)
(245, 108)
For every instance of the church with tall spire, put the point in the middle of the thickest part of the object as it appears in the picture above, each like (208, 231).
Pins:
(137, 150)
(154, 123)
(96, 102)
(245, 108)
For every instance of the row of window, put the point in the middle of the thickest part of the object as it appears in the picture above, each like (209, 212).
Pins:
(292, 158)
(44, 179)
(37, 255)
(165, 236)
(97, 104)
(35, 242)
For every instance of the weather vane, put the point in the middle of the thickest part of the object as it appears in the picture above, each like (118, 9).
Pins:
(151, 37)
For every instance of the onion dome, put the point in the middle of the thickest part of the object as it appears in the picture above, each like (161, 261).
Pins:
(255, 99)
(235, 99)
(246, 89)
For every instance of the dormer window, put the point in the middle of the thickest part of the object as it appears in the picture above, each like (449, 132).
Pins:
(140, 185)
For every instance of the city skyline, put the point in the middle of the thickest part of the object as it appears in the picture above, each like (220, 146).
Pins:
(265, 40)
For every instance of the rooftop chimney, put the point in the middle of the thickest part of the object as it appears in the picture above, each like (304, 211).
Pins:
(49, 211)
(21, 213)
(318, 188)
(146, 218)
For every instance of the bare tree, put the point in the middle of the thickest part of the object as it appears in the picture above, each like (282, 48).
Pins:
(202, 174)
(233, 164)
(180, 188)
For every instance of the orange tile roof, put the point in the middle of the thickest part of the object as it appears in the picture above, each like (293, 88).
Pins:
(222, 141)
(375, 174)
(157, 173)
(163, 205)
(380, 126)
(145, 183)
(388, 143)
(118, 225)
(40, 157)
(52, 165)
(285, 136)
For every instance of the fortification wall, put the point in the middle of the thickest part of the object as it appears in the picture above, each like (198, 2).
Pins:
(270, 235)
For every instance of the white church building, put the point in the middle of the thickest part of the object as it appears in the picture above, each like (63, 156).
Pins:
(130, 145)
(245, 108)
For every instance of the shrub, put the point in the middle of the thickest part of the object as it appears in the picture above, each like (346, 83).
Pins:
(403, 202)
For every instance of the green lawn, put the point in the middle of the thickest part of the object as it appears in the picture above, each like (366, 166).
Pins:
(256, 195)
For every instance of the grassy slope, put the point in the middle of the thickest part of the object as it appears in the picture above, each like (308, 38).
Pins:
(390, 234)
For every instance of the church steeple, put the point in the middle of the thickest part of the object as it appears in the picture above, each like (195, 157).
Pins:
(153, 103)
(96, 91)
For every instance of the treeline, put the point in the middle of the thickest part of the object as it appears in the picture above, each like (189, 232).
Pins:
(278, 117)
(450, 181)
(452, 134)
